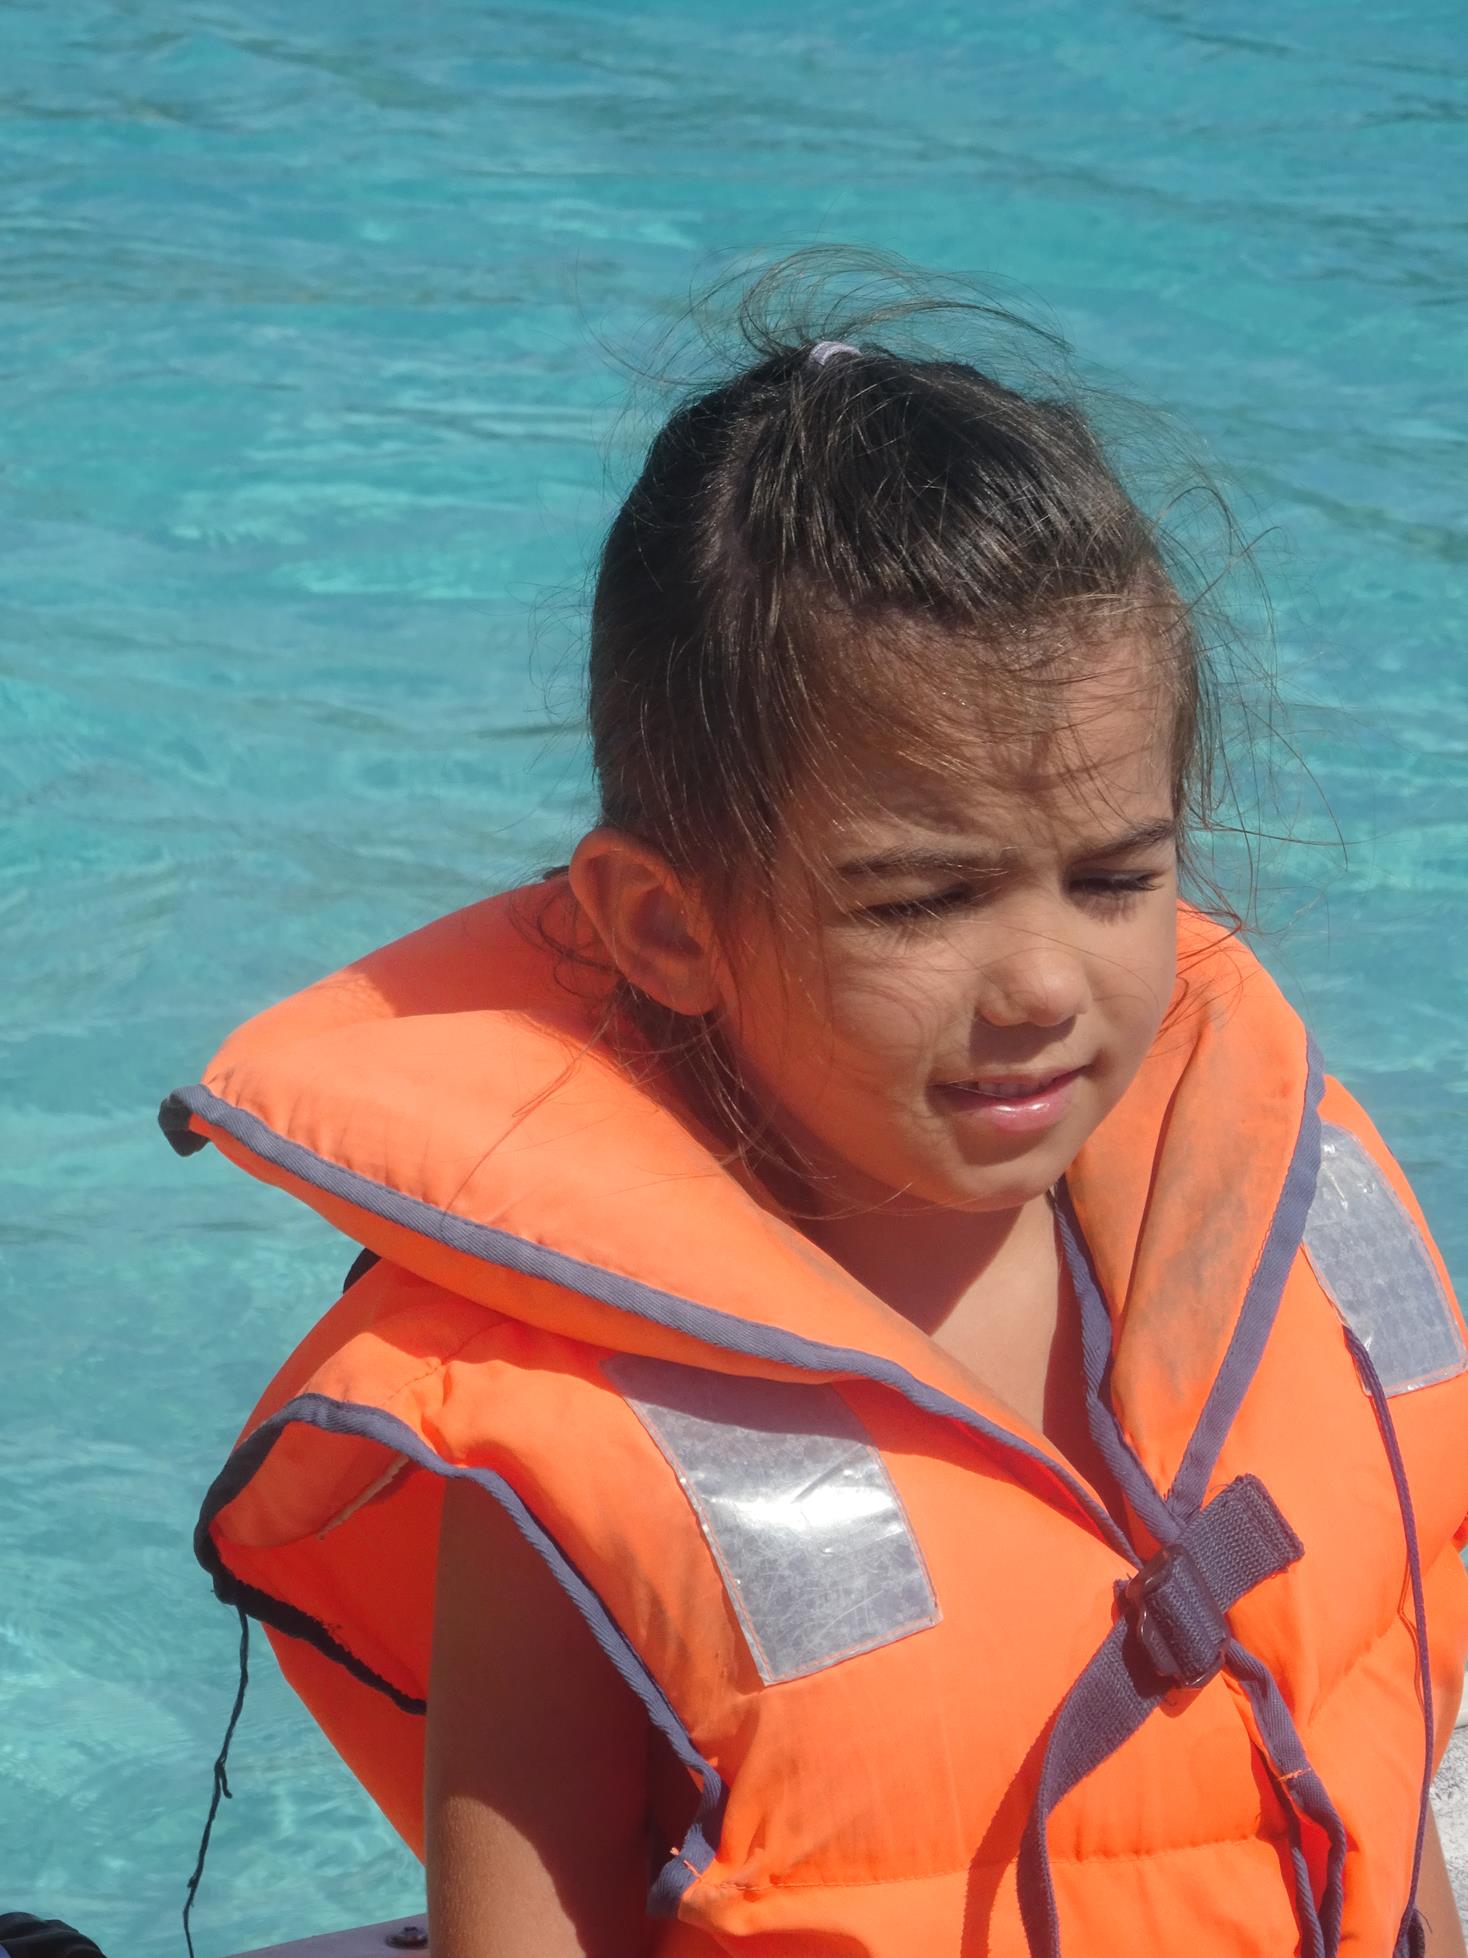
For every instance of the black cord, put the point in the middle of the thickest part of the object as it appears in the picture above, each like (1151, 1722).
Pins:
(221, 1780)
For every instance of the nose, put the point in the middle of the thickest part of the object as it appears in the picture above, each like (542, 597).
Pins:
(1038, 982)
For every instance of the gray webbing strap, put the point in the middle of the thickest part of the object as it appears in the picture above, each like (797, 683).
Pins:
(1174, 1606)
(1172, 1633)
(1413, 1941)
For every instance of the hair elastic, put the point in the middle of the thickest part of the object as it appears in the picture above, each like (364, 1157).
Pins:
(823, 350)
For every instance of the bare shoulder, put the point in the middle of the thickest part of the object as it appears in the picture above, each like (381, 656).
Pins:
(535, 1796)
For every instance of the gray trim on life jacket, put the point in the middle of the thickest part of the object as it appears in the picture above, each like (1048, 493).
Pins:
(705, 1323)
(1187, 1585)
(369, 1423)
(1412, 1935)
(1182, 1593)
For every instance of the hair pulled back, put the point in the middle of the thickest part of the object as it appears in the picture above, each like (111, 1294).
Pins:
(884, 544)
(899, 553)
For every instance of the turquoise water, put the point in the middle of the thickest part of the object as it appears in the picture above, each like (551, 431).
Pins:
(306, 439)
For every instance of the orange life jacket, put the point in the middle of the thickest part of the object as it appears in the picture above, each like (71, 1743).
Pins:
(932, 1695)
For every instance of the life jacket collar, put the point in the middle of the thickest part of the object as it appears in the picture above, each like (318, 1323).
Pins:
(446, 1102)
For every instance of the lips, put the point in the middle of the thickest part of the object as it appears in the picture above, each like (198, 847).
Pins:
(1013, 1087)
(1009, 1105)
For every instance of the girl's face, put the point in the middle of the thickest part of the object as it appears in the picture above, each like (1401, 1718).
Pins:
(945, 1009)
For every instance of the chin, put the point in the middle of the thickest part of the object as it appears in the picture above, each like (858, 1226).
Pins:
(947, 1181)
(1007, 1185)
(995, 1186)
(1012, 1195)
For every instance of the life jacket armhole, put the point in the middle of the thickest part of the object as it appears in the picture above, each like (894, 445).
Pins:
(408, 1448)
(810, 1537)
(359, 1268)
(1374, 1266)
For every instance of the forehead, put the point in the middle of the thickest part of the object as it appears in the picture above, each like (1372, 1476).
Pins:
(1101, 761)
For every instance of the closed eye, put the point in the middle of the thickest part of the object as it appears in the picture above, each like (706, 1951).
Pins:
(909, 910)
(1114, 892)
(1117, 891)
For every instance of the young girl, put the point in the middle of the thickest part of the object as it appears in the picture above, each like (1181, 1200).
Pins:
(889, 1406)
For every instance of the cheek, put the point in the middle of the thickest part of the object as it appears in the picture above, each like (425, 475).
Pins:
(846, 1021)
(776, 1019)
(1153, 958)
(892, 1010)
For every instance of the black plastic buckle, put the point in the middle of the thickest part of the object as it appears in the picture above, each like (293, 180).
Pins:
(1153, 1604)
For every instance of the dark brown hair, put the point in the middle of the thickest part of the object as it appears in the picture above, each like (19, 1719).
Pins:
(888, 544)
(871, 542)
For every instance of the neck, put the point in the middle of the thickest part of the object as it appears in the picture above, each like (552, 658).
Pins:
(926, 1262)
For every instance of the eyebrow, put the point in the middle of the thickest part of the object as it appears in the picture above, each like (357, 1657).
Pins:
(995, 863)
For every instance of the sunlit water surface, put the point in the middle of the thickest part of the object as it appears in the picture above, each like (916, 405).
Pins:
(306, 441)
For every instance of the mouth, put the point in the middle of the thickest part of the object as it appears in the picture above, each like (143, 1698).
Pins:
(1012, 1087)
(1012, 1102)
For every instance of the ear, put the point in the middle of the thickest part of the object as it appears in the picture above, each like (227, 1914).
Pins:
(654, 930)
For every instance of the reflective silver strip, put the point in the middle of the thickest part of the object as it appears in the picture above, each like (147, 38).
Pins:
(810, 1537)
(1369, 1255)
